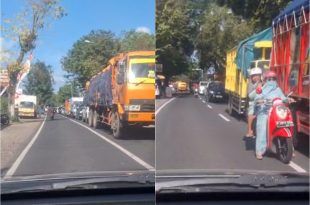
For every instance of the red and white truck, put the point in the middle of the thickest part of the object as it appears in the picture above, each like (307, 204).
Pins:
(290, 60)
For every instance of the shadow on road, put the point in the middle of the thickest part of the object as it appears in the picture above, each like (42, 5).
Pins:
(3, 171)
(132, 133)
(303, 145)
(29, 120)
(140, 134)
(249, 143)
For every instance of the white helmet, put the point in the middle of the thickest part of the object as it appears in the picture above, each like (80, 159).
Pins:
(256, 71)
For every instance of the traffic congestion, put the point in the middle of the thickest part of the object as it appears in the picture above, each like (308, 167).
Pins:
(155, 102)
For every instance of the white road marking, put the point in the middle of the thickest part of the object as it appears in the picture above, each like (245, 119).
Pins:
(122, 149)
(161, 107)
(225, 118)
(204, 101)
(297, 167)
(209, 106)
(22, 155)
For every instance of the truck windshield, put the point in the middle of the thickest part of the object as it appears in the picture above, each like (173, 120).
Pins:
(26, 104)
(142, 70)
(263, 64)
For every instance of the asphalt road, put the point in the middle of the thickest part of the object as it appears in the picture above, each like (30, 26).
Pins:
(193, 134)
(65, 145)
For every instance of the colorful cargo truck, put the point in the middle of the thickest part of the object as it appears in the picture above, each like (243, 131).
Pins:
(123, 94)
(290, 59)
(251, 52)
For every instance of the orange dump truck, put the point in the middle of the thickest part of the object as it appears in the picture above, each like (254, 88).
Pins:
(123, 93)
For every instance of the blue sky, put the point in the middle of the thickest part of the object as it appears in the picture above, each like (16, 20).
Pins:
(83, 16)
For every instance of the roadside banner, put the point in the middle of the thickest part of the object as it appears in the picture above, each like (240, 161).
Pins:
(22, 74)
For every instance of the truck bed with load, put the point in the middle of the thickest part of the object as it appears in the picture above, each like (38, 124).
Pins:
(290, 59)
(251, 52)
(123, 93)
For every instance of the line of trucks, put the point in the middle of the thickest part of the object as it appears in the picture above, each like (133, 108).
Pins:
(283, 48)
(122, 95)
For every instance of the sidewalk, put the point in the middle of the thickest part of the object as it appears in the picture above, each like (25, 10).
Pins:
(14, 139)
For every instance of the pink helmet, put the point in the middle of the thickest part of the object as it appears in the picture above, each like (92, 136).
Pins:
(270, 74)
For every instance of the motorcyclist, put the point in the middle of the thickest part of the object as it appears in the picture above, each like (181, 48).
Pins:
(255, 80)
(269, 91)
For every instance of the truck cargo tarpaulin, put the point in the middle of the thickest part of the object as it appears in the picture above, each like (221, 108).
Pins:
(100, 88)
(291, 9)
(245, 50)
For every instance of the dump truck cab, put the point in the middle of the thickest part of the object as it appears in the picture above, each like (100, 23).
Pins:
(135, 90)
(123, 93)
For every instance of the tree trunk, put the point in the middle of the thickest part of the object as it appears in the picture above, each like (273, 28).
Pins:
(12, 111)
(20, 57)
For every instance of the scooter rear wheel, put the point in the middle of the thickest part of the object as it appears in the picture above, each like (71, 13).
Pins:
(284, 148)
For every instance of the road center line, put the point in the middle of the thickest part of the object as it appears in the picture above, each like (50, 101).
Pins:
(22, 155)
(204, 101)
(225, 118)
(209, 106)
(122, 149)
(161, 107)
(297, 167)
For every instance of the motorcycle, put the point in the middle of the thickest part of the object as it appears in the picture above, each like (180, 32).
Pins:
(196, 92)
(279, 129)
(51, 113)
(5, 120)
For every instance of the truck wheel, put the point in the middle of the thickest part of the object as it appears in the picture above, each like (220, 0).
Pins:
(284, 149)
(90, 118)
(117, 126)
(95, 119)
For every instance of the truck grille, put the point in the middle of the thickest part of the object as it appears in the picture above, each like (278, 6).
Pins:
(147, 105)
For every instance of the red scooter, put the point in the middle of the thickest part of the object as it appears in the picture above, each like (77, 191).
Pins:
(279, 129)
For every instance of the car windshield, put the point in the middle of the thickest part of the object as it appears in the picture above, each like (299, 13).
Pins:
(80, 98)
(26, 104)
(226, 128)
(71, 66)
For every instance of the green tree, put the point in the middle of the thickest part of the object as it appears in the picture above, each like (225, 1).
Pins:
(24, 29)
(89, 54)
(132, 40)
(40, 82)
(174, 40)
(259, 12)
(66, 91)
(220, 31)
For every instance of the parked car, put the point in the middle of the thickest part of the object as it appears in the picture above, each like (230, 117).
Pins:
(85, 111)
(215, 92)
(78, 112)
(202, 87)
